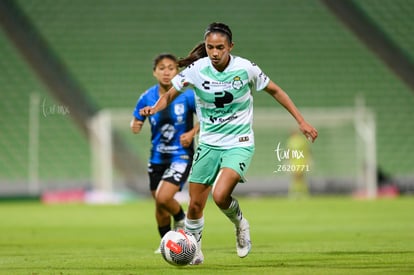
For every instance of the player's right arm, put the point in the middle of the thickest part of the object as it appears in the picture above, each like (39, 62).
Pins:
(138, 120)
(136, 125)
(161, 104)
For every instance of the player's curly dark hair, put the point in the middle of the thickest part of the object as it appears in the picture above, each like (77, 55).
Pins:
(199, 51)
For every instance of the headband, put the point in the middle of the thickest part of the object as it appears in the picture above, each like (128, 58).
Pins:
(218, 29)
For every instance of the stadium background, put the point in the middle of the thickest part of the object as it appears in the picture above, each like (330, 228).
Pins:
(108, 48)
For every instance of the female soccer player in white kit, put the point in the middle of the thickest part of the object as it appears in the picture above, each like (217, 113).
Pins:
(223, 85)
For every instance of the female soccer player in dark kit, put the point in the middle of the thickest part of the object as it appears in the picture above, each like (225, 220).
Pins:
(172, 151)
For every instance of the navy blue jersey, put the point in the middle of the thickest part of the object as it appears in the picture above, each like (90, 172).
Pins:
(168, 125)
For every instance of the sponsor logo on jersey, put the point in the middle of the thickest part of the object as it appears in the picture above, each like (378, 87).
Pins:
(223, 119)
(207, 85)
(183, 82)
(167, 132)
(263, 76)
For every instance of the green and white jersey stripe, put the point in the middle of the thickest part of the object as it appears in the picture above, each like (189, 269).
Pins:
(224, 100)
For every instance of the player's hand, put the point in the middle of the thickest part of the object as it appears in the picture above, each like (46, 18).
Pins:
(186, 139)
(310, 133)
(147, 111)
(136, 125)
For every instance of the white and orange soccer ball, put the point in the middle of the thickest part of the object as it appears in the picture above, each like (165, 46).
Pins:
(178, 247)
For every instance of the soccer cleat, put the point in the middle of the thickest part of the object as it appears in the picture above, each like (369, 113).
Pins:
(179, 224)
(158, 250)
(243, 244)
(198, 258)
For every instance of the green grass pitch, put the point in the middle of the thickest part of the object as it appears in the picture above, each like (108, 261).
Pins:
(313, 236)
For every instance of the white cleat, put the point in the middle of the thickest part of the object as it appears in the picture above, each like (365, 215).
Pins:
(179, 224)
(198, 258)
(243, 244)
(157, 251)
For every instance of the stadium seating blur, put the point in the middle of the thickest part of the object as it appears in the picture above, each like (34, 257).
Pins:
(108, 47)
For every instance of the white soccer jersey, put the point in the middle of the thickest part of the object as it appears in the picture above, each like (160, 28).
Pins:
(224, 100)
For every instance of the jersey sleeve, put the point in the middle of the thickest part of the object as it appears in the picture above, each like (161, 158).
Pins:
(141, 103)
(183, 80)
(259, 79)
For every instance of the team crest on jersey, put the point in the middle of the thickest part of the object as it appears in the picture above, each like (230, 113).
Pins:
(237, 83)
(179, 109)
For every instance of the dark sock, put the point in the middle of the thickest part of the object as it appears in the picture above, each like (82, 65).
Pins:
(163, 230)
(180, 215)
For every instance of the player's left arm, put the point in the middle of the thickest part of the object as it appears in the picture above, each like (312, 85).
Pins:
(282, 97)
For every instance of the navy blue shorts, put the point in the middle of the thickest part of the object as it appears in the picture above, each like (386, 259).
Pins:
(175, 173)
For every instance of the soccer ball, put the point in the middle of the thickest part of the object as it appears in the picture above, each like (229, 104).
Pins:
(178, 247)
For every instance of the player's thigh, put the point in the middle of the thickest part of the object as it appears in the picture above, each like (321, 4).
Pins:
(166, 191)
(226, 181)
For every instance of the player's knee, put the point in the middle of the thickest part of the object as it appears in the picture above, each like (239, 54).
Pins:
(221, 200)
(195, 208)
(163, 199)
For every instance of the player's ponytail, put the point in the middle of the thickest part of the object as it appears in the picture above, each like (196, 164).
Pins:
(198, 52)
